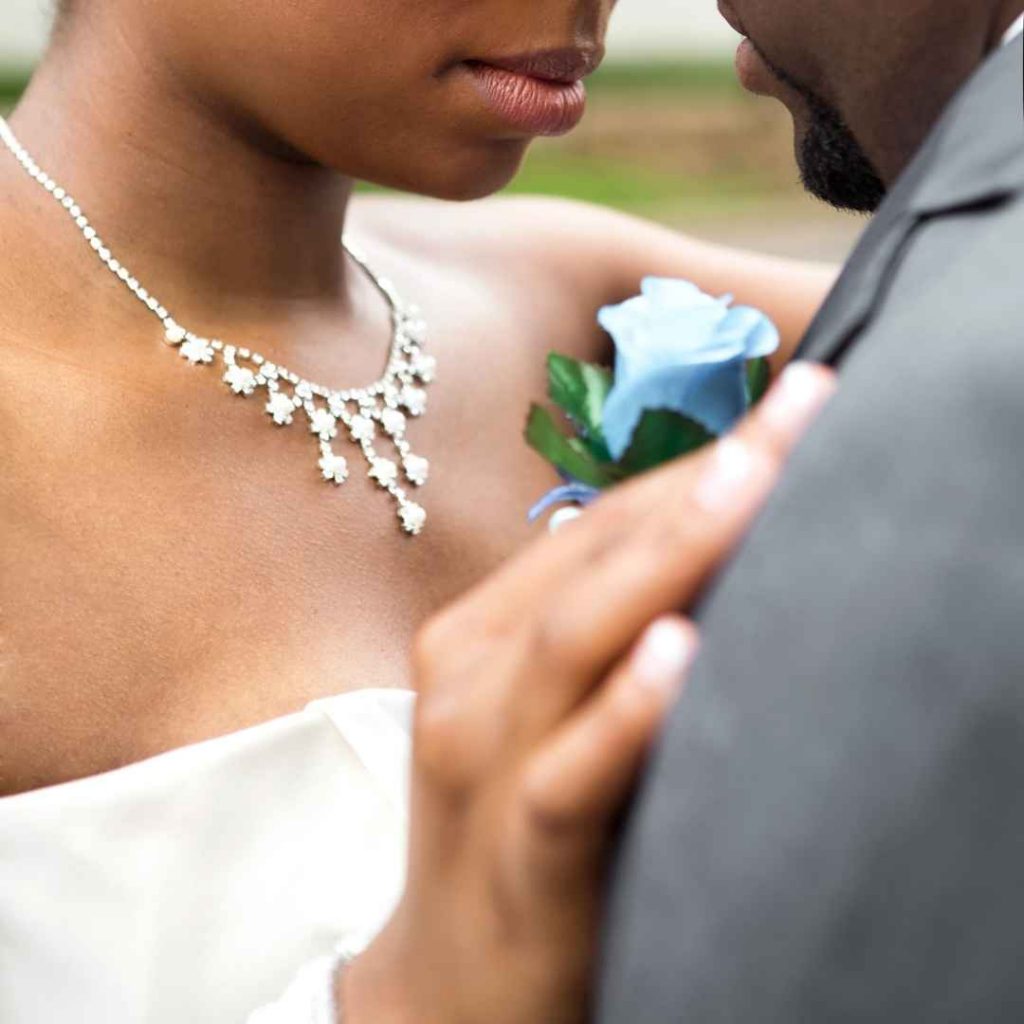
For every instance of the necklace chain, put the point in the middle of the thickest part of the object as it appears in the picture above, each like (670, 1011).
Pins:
(368, 414)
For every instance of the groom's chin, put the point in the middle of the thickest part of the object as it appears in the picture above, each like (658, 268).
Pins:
(833, 166)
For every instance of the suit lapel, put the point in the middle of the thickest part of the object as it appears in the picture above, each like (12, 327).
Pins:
(974, 157)
(855, 295)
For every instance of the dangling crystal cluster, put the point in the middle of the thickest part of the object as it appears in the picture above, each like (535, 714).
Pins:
(368, 417)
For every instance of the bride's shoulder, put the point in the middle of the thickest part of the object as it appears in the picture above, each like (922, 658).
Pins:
(552, 243)
(540, 267)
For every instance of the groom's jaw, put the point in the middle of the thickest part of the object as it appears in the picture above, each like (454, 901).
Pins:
(833, 165)
(865, 82)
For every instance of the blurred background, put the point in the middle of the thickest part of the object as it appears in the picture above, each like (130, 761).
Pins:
(669, 134)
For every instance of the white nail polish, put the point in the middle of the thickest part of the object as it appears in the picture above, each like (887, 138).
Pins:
(563, 517)
(664, 655)
(795, 399)
(727, 476)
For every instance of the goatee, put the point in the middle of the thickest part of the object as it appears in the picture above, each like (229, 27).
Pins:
(833, 165)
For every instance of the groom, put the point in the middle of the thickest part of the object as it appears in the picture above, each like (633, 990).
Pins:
(833, 828)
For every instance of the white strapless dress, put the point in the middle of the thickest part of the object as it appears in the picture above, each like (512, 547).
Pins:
(192, 887)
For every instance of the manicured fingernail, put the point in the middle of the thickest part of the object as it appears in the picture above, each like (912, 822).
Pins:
(727, 475)
(665, 653)
(797, 398)
(563, 517)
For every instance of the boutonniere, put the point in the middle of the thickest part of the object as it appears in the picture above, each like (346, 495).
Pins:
(688, 366)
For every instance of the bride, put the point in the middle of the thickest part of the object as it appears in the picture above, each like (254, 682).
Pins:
(215, 567)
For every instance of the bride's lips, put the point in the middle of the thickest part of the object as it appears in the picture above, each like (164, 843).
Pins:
(539, 93)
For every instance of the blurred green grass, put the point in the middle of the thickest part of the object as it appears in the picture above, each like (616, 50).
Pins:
(661, 133)
(12, 82)
(690, 76)
(633, 188)
(612, 179)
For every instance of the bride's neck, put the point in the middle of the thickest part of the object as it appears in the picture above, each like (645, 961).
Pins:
(203, 210)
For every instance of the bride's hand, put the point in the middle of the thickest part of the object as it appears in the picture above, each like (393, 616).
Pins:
(539, 695)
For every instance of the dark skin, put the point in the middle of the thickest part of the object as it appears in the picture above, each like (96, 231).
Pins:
(888, 69)
(166, 547)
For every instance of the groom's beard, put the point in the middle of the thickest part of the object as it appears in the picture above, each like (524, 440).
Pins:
(833, 166)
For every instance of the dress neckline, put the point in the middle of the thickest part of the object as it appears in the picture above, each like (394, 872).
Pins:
(215, 746)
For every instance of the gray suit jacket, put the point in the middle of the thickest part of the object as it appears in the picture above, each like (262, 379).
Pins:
(833, 826)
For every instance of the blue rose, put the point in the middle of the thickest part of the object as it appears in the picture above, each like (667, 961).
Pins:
(682, 350)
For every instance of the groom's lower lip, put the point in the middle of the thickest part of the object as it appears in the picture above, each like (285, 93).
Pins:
(530, 104)
(753, 72)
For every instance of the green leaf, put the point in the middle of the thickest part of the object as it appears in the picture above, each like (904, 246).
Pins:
(759, 376)
(580, 390)
(661, 436)
(568, 454)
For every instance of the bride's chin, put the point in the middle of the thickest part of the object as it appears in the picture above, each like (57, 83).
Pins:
(475, 173)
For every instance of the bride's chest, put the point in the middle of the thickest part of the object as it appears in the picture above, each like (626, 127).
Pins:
(156, 595)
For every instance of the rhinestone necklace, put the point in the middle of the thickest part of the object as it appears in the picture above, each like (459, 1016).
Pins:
(365, 414)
